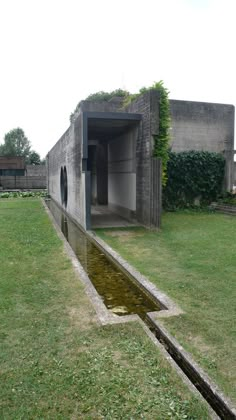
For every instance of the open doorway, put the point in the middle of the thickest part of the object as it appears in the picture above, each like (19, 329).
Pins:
(112, 166)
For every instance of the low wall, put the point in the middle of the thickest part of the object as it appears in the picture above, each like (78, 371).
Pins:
(22, 182)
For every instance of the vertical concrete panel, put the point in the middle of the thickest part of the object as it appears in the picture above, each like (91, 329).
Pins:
(156, 193)
(234, 176)
(102, 173)
(122, 192)
(148, 106)
(122, 173)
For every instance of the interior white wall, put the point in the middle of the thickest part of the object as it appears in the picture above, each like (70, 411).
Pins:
(122, 190)
(122, 171)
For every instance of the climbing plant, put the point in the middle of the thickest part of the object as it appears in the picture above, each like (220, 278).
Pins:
(161, 140)
(193, 176)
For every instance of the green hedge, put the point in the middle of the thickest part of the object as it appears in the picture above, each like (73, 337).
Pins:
(23, 194)
(193, 177)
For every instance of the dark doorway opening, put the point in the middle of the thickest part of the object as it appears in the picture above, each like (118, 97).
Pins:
(98, 168)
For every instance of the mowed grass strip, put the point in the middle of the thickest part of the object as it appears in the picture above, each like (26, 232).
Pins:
(193, 260)
(55, 361)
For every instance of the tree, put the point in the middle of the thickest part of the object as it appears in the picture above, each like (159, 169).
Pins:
(34, 158)
(16, 144)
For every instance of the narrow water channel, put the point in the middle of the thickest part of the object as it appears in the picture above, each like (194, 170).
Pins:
(119, 294)
(123, 297)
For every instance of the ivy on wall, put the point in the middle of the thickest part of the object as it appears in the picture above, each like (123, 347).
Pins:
(193, 176)
(161, 140)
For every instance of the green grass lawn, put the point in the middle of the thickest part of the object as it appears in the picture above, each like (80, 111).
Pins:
(193, 260)
(56, 362)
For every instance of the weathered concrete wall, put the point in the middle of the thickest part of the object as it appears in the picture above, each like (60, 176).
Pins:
(204, 126)
(130, 175)
(122, 173)
(148, 106)
(67, 153)
(201, 126)
(104, 106)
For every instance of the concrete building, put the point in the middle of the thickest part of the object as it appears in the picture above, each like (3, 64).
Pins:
(105, 159)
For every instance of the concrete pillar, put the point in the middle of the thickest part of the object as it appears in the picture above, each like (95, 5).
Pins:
(156, 193)
(229, 170)
(102, 173)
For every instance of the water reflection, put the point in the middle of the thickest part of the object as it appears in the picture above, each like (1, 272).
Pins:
(64, 226)
(118, 292)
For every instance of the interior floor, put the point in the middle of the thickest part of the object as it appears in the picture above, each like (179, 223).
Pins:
(103, 217)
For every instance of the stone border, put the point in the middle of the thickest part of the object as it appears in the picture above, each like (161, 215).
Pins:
(210, 392)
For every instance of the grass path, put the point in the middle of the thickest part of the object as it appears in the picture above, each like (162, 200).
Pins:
(193, 260)
(55, 361)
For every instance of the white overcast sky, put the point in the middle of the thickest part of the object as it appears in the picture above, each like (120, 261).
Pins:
(53, 53)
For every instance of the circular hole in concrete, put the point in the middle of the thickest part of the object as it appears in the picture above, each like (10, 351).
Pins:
(65, 186)
(62, 185)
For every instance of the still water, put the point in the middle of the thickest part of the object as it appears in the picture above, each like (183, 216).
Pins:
(118, 292)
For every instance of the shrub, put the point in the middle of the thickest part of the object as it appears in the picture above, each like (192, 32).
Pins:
(193, 176)
(5, 195)
(24, 194)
